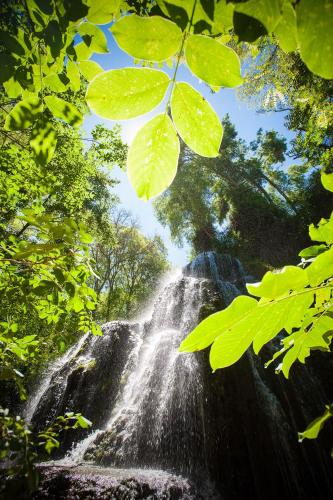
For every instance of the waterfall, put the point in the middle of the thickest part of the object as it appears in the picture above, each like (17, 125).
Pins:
(156, 409)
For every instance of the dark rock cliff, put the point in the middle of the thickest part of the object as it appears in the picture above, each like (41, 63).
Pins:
(153, 407)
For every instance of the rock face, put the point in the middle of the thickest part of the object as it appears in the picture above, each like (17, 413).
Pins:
(155, 408)
(88, 482)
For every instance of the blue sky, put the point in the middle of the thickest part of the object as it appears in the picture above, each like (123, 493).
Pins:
(246, 120)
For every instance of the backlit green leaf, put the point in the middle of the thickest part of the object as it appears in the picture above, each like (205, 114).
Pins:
(153, 157)
(314, 28)
(83, 51)
(210, 328)
(327, 181)
(313, 429)
(323, 232)
(120, 94)
(43, 141)
(304, 341)
(268, 12)
(196, 121)
(275, 284)
(221, 68)
(150, 38)
(64, 110)
(93, 37)
(286, 29)
(23, 114)
(89, 69)
(55, 83)
(321, 268)
(312, 251)
(102, 11)
(73, 75)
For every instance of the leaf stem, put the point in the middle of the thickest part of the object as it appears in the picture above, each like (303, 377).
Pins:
(186, 32)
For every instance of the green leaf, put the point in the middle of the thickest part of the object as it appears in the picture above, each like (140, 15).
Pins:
(223, 16)
(150, 38)
(304, 341)
(55, 83)
(267, 12)
(83, 421)
(43, 141)
(13, 88)
(327, 181)
(83, 51)
(323, 232)
(73, 75)
(93, 37)
(221, 68)
(120, 94)
(64, 110)
(321, 268)
(103, 11)
(275, 284)
(286, 29)
(23, 114)
(90, 69)
(196, 121)
(313, 429)
(314, 28)
(153, 157)
(210, 328)
(312, 251)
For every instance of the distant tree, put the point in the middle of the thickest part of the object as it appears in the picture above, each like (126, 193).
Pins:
(128, 266)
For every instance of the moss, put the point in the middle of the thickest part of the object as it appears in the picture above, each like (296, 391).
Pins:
(87, 365)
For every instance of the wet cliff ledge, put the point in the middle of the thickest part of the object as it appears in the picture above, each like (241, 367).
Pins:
(90, 482)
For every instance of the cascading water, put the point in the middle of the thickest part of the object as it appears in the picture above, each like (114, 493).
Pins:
(154, 408)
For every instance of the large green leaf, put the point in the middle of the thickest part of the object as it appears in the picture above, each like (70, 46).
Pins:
(149, 38)
(274, 285)
(274, 316)
(103, 11)
(120, 94)
(153, 157)
(221, 68)
(327, 181)
(268, 12)
(93, 37)
(196, 121)
(64, 110)
(286, 29)
(321, 268)
(210, 328)
(89, 69)
(323, 232)
(23, 114)
(314, 28)
(43, 140)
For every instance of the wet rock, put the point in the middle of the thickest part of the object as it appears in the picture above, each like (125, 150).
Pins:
(90, 483)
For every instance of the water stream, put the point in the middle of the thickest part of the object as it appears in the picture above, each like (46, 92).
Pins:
(156, 409)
